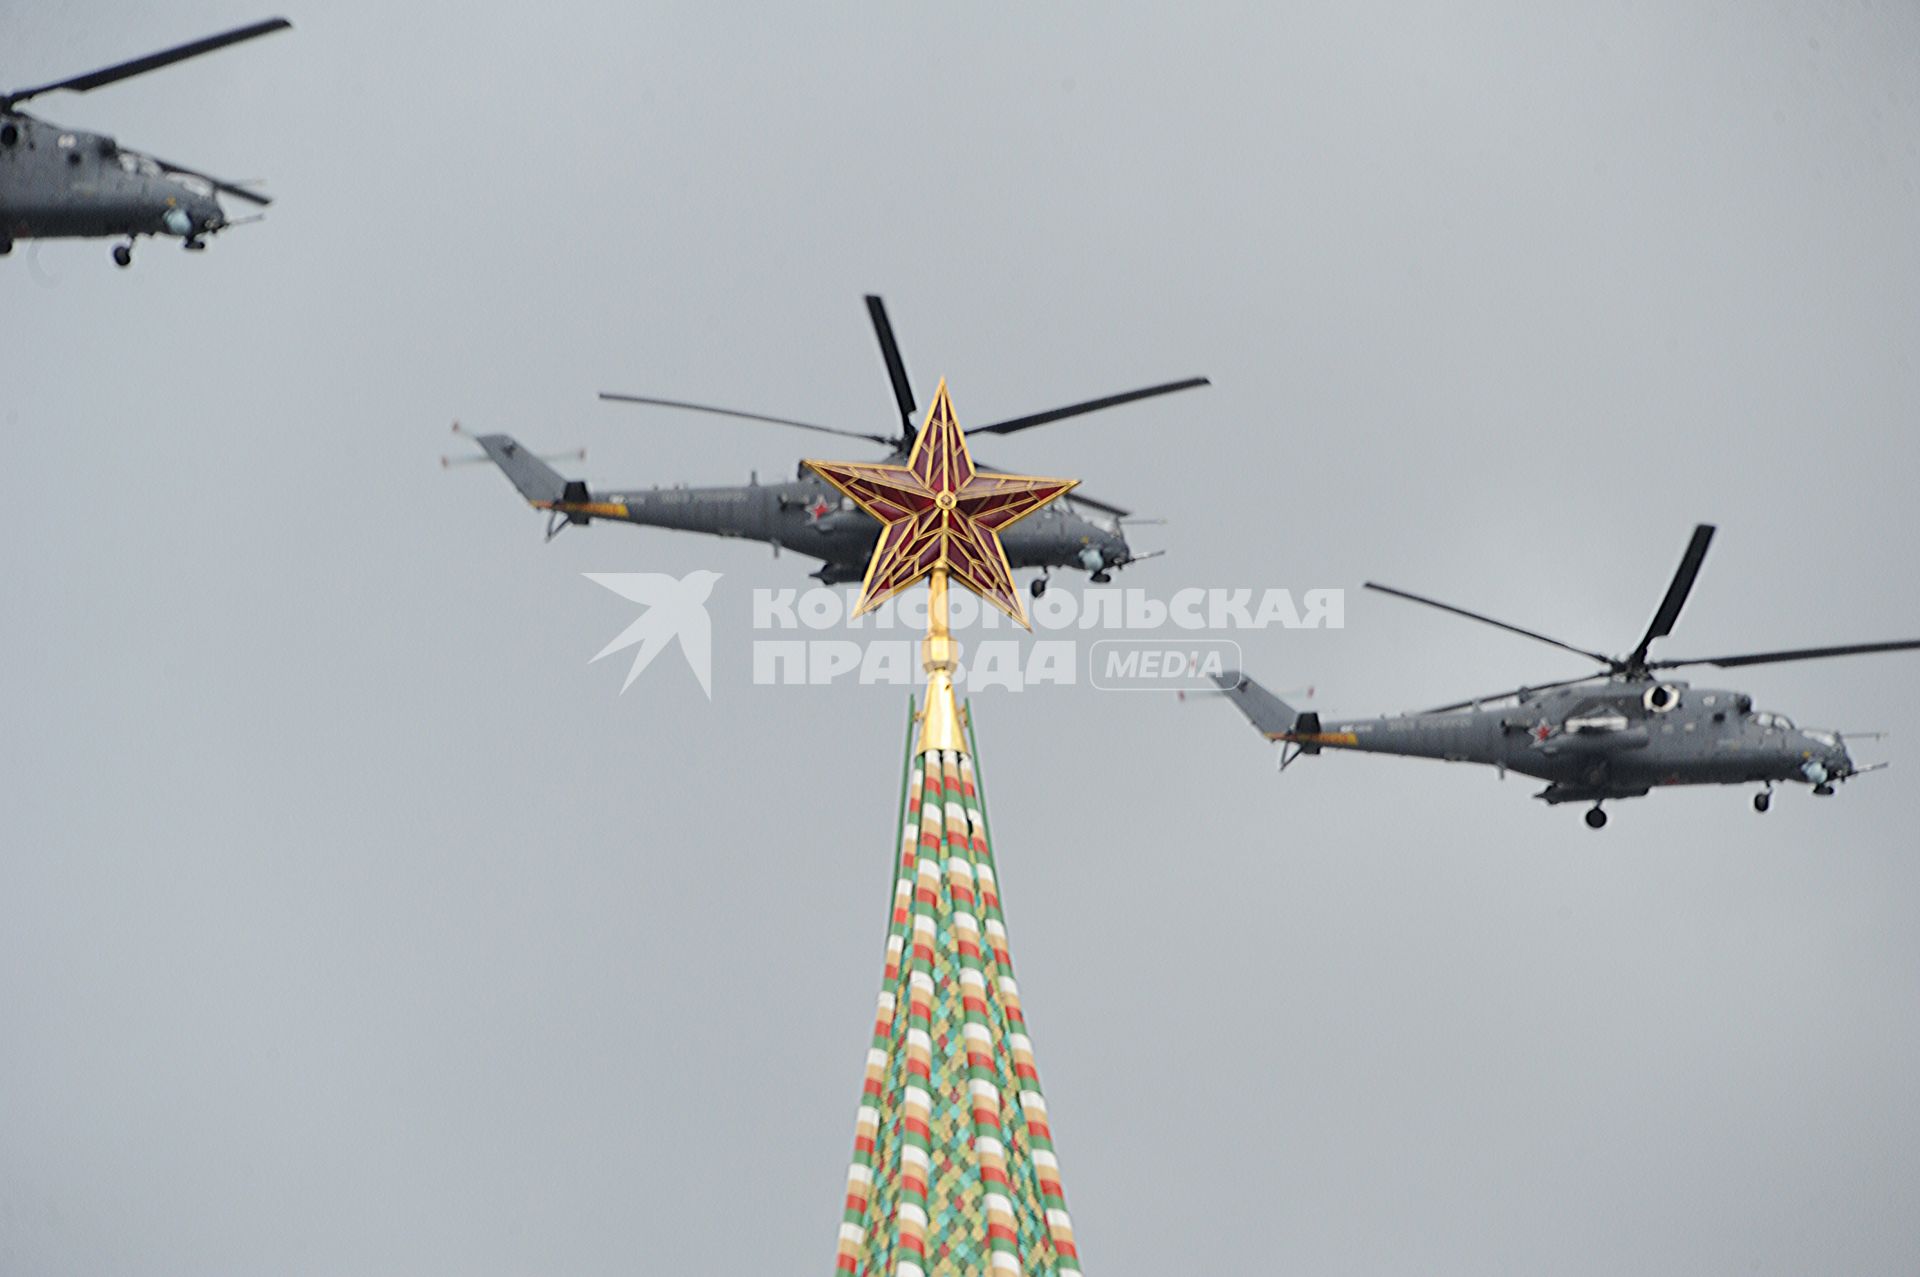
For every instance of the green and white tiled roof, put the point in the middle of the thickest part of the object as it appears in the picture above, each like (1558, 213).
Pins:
(953, 1169)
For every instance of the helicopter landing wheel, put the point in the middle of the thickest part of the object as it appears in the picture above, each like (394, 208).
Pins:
(1596, 819)
(1038, 587)
(1101, 578)
(6, 246)
(193, 245)
(1823, 791)
(123, 255)
(1763, 800)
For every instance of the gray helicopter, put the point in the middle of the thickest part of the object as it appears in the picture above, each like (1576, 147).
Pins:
(808, 516)
(1614, 734)
(59, 183)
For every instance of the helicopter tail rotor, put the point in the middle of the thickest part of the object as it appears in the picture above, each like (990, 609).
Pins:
(447, 463)
(535, 479)
(1273, 718)
(1270, 716)
(568, 502)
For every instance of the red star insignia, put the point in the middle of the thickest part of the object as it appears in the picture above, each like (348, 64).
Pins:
(938, 511)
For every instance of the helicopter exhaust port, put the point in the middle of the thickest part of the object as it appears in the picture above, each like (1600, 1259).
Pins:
(1662, 698)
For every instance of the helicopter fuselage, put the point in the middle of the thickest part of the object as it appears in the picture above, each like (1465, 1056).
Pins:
(809, 517)
(1613, 740)
(61, 183)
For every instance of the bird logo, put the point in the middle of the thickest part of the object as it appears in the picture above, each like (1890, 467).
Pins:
(676, 608)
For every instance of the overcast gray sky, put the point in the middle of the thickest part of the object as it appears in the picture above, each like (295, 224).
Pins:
(351, 922)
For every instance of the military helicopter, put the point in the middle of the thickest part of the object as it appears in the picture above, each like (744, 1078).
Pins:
(1593, 741)
(810, 517)
(60, 183)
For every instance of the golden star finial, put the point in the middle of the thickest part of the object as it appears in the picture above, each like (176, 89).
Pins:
(938, 512)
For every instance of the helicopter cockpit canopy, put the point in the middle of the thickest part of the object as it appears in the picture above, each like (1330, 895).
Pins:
(1766, 720)
(1105, 519)
(138, 165)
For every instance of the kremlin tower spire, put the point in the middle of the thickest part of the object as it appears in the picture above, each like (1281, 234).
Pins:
(953, 1173)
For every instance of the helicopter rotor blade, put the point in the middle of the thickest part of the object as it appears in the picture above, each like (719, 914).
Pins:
(1103, 507)
(1601, 657)
(1518, 691)
(152, 61)
(234, 189)
(896, 367)
(1676, 597)
(1790, 654)
(611, 397)
(1091, 405)
(1073, 497)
